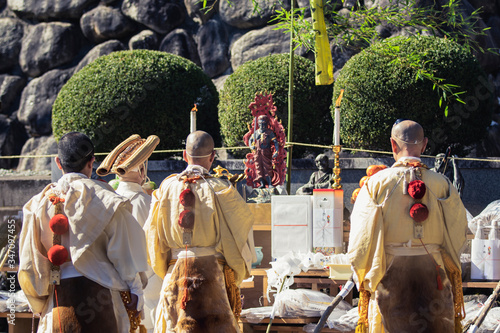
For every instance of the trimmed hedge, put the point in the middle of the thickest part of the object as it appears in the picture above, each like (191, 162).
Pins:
(312, 122)
(379, 90)
(141, 91)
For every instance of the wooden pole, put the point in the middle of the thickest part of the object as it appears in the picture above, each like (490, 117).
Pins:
(290, 107)
(482, 314)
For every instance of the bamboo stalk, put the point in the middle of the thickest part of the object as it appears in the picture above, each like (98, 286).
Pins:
(290, 107)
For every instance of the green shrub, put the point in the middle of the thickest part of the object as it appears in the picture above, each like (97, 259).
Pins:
(312, 122)
(380, 88)
(141, 91)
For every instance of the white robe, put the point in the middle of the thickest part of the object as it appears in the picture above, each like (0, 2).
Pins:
(105, 242)
(140, 208)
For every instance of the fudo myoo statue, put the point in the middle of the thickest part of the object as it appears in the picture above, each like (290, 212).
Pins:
(265, 165)
(323, 178)
(260, 143)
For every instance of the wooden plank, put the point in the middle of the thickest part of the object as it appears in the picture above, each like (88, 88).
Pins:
(261, 227)
(477, 284)
(261, 213)
(247, 285)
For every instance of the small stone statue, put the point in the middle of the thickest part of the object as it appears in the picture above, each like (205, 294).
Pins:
(452, 172)
(323, 178)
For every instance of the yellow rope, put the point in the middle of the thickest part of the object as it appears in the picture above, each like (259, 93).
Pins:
(364, 301)
(455, 276)
(232, 290)
(288, 144)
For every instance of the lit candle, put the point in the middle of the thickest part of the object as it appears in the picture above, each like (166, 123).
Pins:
(193, 119)
(336, 129)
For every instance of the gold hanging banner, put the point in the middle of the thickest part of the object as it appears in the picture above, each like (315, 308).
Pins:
(324, 63)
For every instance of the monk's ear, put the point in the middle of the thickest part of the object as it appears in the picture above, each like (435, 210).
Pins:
(58, 162)
(424, 145)
(184, 156)
(394, 145)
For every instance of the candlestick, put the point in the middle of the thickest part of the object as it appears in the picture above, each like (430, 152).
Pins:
(336, 169)
(192, 127)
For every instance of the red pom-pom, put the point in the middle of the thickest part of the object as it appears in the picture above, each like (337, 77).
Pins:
(416, 189)
(57, 255)
(59, 224)
(186, 219)
(187, 198)
(419, 212)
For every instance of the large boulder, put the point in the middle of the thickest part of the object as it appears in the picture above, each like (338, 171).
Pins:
(161, 16)
(244, 15)
(381, 87)
(11, 36)
(260, 43)
(199, 14)
(140, 91)
(45, 9)
(180, 42)
(43, 145)
(10, 88)
(100, 50)
(213, 48)
(35, 110)
(12, 138)
(144, 40)
(47, 46)
(103, 23)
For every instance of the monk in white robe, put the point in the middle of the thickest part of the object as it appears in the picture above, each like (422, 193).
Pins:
(129, 161)
(106, 250)
(196, 234)
(402, 257)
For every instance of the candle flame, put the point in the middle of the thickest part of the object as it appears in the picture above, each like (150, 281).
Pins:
(337, 103)
(194, 109)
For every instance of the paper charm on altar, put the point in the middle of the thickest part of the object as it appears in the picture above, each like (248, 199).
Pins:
(265, 165)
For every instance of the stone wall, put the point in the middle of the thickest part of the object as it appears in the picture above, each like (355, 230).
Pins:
(44, 42)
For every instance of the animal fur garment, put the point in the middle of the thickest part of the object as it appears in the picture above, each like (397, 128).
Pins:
(207, 308)
(84, 306)
(409, 299)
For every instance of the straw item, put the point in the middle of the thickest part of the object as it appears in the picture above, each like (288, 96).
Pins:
(128, 155)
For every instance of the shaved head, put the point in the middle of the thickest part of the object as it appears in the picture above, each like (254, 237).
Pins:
(408, 131)
(199, 149)
(407, 139)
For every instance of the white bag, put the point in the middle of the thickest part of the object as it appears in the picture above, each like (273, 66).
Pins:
(485, 258)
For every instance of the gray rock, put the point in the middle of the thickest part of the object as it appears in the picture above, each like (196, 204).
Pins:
(219, 82)
(43, 145)
(197, 13)
(145, 40)
(11, 36)
(494, 23)
(45, 9)
(104, 23)
(100, 50)
(161, 16)
(47, 46)
(213, 48)
(12, 138)
(35, 109)
(244, 16)
(10, 88)
(259, 43)
(181, 43)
